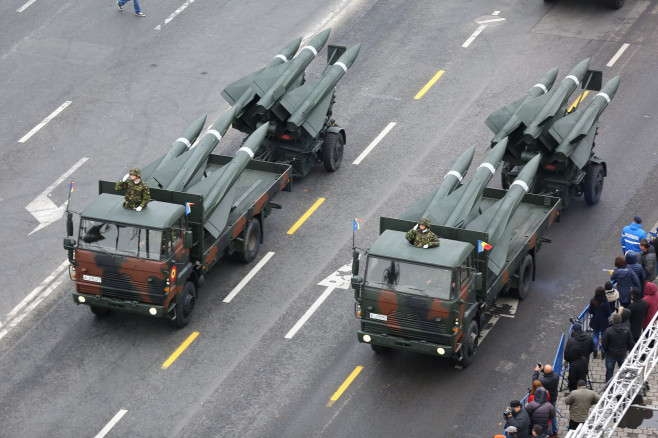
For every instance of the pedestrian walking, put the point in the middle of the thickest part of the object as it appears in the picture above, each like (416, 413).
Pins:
(617, 341)
(138, 9)
(579, 402)
(600, 311)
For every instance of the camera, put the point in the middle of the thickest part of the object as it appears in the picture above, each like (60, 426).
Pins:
(507, 412)
(541, 367)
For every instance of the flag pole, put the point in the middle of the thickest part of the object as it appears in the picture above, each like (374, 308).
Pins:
(71, 188)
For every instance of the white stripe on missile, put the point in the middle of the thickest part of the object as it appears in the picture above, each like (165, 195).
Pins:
(573, 78)
(523, 185)
(542, 86)
(603, 95)
(341, 65)
(247, 150)
(488, 166)
(455, 173)
(283, 58)
(217, 135)
(311, 48)
(185, 141)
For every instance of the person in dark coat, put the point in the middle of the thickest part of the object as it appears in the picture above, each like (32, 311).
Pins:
(519, 418)
(577, 371)
(651, 299)
(648, 260)
(639, 310)
(540, 411)
(617, 341)
(550, 381)
(600, 311)
(634, 264)
(625, 279)
(579, 344)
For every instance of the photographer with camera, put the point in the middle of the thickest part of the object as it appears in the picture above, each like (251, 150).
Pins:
(550, 380)
(517, 417)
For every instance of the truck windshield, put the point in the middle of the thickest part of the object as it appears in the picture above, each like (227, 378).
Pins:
(123, 240)
(409, 278)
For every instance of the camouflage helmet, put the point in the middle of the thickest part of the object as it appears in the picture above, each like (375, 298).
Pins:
(424, 221)
(136, 172)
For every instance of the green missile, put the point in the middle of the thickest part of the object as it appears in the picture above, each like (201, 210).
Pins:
(183, 143)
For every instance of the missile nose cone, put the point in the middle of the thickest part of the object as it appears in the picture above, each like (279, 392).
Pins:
(320, 39)
(497, 152)
(548, 79)
(349, 56)
(610, 88)
(255, 140)
(529, 171)
(291, 48)
(580, 69)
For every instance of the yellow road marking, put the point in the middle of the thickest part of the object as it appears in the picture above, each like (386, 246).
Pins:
(180, 350)
(344, 386)
(577, 101)
(306, 215)
(429, 84)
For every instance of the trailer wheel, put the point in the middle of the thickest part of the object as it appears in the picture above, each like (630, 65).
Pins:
(332, 151)
(99, 311)
(616, 4)
(379, 349)
(526, 271)
(593, 185)
(470, 345)
(250, 242)
(185, 306)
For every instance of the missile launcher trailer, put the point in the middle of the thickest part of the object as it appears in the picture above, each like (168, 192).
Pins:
(203, 207)
(301, 131)
(434, 300)
(542, 123)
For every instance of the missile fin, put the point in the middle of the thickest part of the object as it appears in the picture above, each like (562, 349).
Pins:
(416, 211)
(580, 156)
(219, 218)
(168, 172)
(149, 168)
(265, 81)
(498, 118)
(294, 98)
(498, 255)
(235, 90)
(314, 122)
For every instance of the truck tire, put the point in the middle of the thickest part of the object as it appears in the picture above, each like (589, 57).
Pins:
(99, 311)
(332, 151)
(470, 345)
(593, 185)
(250, 242)
(526, 272)
(185, 306)
(616, 4)
(379, 349)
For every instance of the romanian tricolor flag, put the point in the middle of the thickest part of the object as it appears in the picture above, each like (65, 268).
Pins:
(71, 187)
(483, 246)
(357, 224)
(188, 208)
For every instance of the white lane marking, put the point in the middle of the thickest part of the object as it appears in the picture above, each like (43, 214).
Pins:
(374, 143)
(495, 12)
(45, 121)
(309, 312)
(45, 210)
(491, 20)
(176, 12)
(50, 284)
(474, 35)
(249, 276)
(25, 6)
(614, 59)
(112, 423)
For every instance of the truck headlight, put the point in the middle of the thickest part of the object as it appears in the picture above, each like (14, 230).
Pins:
(441, 351)
(81, 299)
(153, 311)
(366, 338)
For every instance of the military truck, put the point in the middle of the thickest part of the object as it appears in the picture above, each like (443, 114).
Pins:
(614, 4)
(203, 207)
(434, 300)
(302, 131)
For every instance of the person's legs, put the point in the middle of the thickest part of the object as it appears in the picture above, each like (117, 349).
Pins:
(573, 425)
(554, 420)
(137, 8)
(609, 368)
(122, 2)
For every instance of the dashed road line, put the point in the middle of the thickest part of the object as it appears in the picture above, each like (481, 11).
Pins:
(25, 6)
(45, 121)
(475, 34)
(186, 343)
(309, 312)
(429, 84)
(614, 59)
(112, 423)
(334, 398)
(172, 16)
(249, 276)
(374, 143)
(305, 216)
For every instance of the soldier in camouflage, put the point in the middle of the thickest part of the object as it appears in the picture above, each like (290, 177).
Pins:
(421, 236)
(137, 192)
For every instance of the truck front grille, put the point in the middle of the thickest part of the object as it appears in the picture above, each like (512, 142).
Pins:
(123, 288)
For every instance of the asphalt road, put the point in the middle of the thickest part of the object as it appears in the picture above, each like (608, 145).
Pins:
(133, 89)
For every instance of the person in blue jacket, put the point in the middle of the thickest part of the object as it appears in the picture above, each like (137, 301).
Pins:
(632, 234)
(624, 279)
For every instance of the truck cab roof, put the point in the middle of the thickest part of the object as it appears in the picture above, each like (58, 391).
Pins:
(393, 244)
(156, 214)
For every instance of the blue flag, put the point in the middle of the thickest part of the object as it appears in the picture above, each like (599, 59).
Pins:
(356, 225)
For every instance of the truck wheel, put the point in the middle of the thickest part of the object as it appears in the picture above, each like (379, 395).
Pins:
(250, 242)
(616, 4)
(99, 311)
(379, 349)
(593, 185)
(185, 307)
(332, 151)
(525, 277)
(470, 345)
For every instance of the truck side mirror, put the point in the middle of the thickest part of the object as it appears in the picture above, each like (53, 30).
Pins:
(188, 241)
(356, 283)
(69, 244)
(478, 280)
(355, 262)
(69, 224)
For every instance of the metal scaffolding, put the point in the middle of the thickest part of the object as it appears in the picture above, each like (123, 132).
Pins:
(622, 388)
